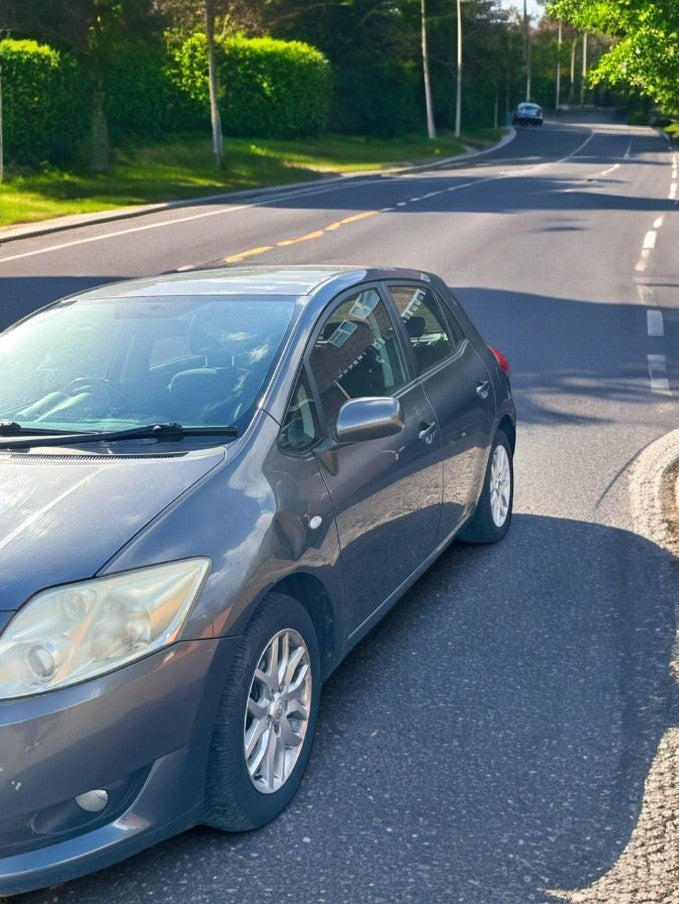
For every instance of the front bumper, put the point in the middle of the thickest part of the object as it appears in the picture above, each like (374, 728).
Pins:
(140, 733)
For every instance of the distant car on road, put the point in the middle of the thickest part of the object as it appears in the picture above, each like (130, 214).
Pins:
(527, 114)
(212, 486)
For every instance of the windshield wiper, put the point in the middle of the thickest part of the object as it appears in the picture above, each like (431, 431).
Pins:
(11, 428)
(26, 436)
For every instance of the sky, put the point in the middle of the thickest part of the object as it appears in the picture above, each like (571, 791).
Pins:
(534, 9)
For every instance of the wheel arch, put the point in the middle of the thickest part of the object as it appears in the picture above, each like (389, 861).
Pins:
(310, 592)
(509, 429)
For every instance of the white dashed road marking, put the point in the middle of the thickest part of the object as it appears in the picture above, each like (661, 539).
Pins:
(649, 240)
(654, 323)
(658, 373)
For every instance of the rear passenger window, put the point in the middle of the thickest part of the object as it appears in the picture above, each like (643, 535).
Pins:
(431, 336)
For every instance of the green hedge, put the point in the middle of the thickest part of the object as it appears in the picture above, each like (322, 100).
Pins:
(269, 88)
(378, 98)
(139, 93)
(45, 109)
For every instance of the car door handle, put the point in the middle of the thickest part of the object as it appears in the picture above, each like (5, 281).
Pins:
(426, 434)
(482, 388)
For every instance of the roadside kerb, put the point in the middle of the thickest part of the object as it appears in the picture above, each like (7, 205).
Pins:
(654, 492)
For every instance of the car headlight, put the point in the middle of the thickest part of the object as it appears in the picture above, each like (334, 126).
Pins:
(71, 633)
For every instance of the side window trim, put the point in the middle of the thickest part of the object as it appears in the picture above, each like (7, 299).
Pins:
(401, 335)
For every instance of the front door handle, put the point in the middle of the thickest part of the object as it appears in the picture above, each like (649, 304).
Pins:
(426, 434)
(483, 388)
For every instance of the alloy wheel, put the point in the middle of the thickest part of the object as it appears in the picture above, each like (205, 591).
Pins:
(277, 712)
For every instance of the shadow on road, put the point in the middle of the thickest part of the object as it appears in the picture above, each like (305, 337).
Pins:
(489, 739)
(565, 353)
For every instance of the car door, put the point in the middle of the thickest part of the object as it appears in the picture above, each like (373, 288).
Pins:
(386, 493)
(460, 390)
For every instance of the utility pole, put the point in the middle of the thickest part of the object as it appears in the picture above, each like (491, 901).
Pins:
(584, 69)
(458, 88)
(572, 89)
(558, 70)
(431, 128)
(527, 48)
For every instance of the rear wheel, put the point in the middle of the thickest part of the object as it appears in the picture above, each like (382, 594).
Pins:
(266, 720)
(494, 509)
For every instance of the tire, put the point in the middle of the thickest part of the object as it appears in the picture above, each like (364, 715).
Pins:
(248, 787)
(494, 509)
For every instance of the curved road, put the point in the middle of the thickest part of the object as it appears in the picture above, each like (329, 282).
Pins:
(490, 741)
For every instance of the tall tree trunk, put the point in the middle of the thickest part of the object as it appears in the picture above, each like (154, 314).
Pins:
(217, 142)
(99, 146)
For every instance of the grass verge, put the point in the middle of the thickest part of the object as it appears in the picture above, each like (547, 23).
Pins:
(183, 168)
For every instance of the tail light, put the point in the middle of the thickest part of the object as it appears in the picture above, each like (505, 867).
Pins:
(501, 360)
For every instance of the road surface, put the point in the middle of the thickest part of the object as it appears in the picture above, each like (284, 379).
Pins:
(490, 741)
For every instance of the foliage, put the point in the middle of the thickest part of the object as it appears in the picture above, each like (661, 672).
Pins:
(138, 93)
(269, 87)
(44, 114)
(645, 54)
(373, 47)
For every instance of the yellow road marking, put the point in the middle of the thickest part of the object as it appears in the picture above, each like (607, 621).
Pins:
(242, 255)
(357, 216)
(302, 238)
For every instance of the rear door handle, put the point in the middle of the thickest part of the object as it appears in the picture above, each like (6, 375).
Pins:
(482, 388)
(426, 434)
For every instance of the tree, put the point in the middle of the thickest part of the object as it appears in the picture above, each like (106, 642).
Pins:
(217, 140)
(94, 30)
(645, 53)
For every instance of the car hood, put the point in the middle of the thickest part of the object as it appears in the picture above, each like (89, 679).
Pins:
(62, 517)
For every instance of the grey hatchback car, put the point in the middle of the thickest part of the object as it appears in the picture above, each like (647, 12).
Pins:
(212, 485)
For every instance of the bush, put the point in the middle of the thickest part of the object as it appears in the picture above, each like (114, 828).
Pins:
(269, 88)
(45, 106)
(273, 88)
(378, 99)
(138, 93)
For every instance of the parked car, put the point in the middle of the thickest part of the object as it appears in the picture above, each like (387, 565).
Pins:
(527, 114)
(212, 485)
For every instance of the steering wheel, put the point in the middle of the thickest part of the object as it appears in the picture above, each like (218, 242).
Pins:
(114, 394)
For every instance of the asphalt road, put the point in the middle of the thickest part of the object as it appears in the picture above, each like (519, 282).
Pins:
(490, 741)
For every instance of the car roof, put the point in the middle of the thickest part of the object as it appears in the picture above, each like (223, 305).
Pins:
(291, 281)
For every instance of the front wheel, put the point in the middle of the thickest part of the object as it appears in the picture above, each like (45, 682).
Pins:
(266, 719)
(494, 509)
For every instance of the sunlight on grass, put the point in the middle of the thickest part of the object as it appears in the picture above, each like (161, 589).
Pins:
(183, 168)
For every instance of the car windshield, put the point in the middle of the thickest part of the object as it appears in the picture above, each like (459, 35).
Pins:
(117, 363)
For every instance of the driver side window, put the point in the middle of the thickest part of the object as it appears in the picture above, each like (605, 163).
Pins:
(356, 354)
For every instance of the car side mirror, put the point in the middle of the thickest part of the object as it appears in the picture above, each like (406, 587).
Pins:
(369, 418)
(360, 420)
